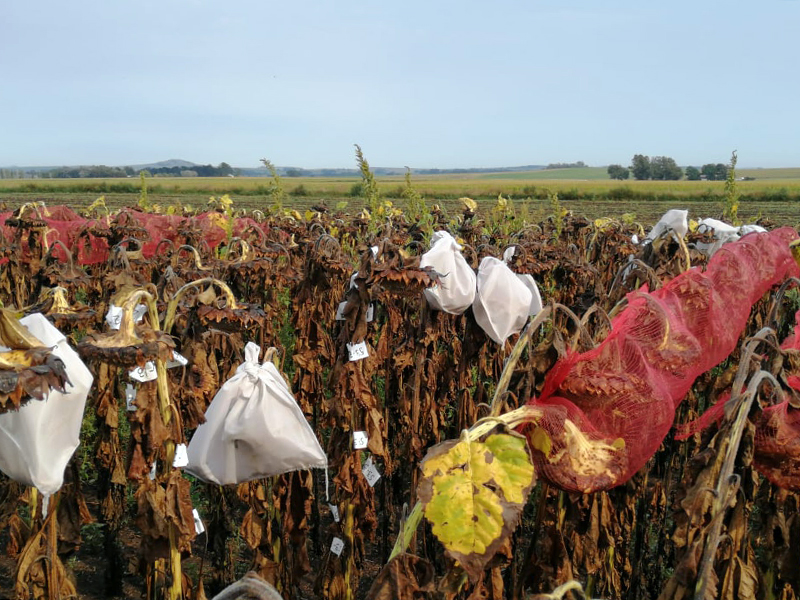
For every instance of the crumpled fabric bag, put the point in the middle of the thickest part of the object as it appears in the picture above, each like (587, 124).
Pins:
(455, 291)
(254, 428)
(502, 302)
(37, 441)
(723, 234)
(675, 219)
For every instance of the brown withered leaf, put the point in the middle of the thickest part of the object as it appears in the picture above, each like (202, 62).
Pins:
(405, 577)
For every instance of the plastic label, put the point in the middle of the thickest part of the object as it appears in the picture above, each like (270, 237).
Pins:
(130, 398)
(145, 373)
(177, 361)
(198, 522)
(360, 440)
(358, 351)
(337, 545)
(370, 471)
(114, 315)
(342, 305)
(334, 512)
(340, 311)
(181, 456)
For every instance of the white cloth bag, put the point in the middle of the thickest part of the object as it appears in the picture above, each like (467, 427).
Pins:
(455, 291)
(675, 219)
(254, 428)
(503, 301)
(37, 441)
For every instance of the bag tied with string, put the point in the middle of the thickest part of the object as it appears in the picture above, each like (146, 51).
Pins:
(254, 428)
(455, 291)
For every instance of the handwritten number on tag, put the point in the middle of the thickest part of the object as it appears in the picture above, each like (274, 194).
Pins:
(360, 440)
(358, 351)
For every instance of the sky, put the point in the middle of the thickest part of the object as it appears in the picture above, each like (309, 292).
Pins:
(433, 83)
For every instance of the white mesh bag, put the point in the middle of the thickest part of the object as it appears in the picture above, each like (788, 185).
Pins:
(455, 291)
(254, 428)
(503, 301)
(37, 441)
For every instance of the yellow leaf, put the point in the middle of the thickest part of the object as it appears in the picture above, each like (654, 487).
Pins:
(473, 493)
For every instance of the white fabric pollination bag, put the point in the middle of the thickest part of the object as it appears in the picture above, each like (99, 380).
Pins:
(503, 302)
(675, 219)
(254, 428)
(455, 291)
(37, 441)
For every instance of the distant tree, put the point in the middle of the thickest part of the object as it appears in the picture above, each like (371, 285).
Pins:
(292, 172)
(664, 168)
(224, 169)
(715, 172)
(640, 166)
(618, 172)
(692, 173)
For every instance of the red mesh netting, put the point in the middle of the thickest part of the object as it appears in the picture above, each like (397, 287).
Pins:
(777, 441)
(606, 411)
(91, 237)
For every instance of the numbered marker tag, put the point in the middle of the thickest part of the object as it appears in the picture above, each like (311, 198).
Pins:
(360, 440)
(370, 313)
(198, 522)
(181, 456)
(337, 545)
(145, 373)
(152, 474)
(130, 398)
(334, 512)
(370, 471)
(340, 311)
(357, 351)
(114, 315)
(177, 361)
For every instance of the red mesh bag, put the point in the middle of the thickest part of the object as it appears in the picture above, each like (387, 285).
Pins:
(64, 224)
(777, 439)
(605, 412)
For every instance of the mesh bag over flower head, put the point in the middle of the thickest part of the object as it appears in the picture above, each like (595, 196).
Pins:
(606, 411)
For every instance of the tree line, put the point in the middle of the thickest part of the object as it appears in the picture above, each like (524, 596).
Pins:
(664, 168)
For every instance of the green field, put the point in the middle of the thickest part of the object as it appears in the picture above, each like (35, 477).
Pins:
(775, 193)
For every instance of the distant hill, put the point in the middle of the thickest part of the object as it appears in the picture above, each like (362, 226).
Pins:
(380, 171)
(168, 164)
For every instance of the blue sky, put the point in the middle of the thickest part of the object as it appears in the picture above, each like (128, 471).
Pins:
(419, 83)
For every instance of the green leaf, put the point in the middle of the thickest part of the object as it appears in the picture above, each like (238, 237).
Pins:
(473, 494)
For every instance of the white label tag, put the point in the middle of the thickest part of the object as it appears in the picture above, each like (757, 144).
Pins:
(177, 361)
(130, 398)
(340, 311)
(342, 305)
(360, 440)
(337, 545)
(181, 456)
(152, 474)
(114, 315)
(358, 351)
(198, 522)
(145, 373)
(334, 512)
(370, 471)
